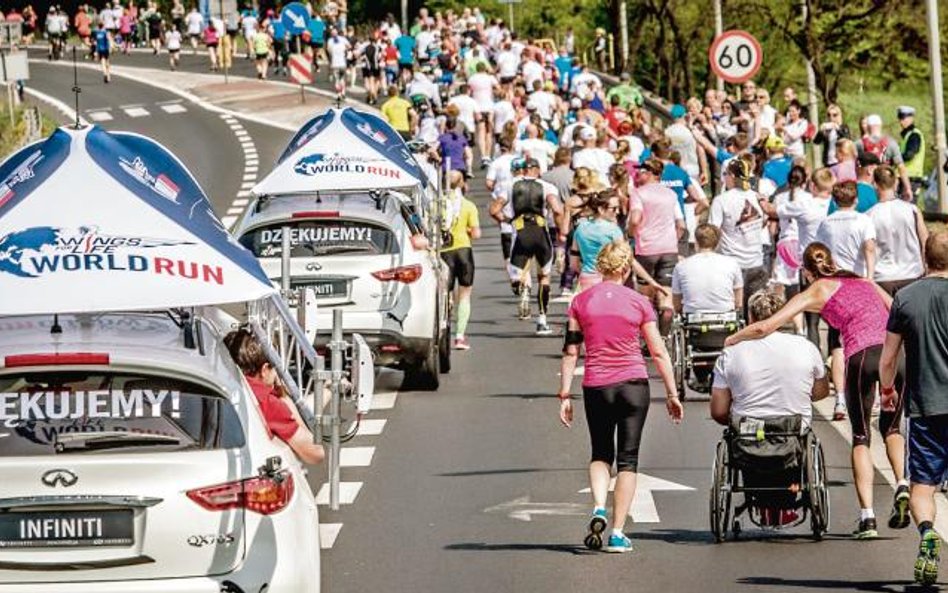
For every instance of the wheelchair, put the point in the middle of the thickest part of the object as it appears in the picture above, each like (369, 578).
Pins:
(774, 468)
(696, 341)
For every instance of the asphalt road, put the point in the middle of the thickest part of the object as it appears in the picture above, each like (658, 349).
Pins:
(427, 517)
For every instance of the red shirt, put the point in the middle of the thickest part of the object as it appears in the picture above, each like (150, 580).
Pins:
(278, 417)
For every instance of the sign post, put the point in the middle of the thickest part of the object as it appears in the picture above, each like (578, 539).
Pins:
(735, 56)
(301, 72)
(295, 19)
(510, 10)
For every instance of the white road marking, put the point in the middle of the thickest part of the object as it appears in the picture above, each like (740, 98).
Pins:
(228, 221)
(356, 456)
(174, 108)
(384, 401)
(328, 532)
(241, 202)
(250, 177)
(643, 508)
(136, 111)
(348, 491)
(244, 193)
(55, 103)
(235, 211)
(100, 116)
(371, 427)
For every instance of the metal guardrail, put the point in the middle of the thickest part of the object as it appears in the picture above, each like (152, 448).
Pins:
(653, 102)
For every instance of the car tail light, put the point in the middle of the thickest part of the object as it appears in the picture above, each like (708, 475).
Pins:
(263, 494)
(55, 359)
(406, 274)
(317, 214)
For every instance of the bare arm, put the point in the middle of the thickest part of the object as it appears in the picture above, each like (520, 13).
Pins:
(811, 300)
(821, 389)
(869, 252)
(922, 231)
(888, 361)
(656, 347)
(739, 297)
(567, 368)
(721, 405)
(701, 201)
(676, 302)
(886, 299)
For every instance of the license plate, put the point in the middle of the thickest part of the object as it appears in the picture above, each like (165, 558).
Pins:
(328, 289)
(66, 529)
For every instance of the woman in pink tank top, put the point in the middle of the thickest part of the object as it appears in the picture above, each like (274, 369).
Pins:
(859, 309)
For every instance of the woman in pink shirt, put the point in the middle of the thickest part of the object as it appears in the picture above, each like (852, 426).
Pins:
(859, 309)
(608, 319)
(656, 221)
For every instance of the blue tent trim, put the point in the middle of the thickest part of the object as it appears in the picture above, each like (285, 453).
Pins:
(310, 130)
(151, 172)
(379, 135)
(27, 169)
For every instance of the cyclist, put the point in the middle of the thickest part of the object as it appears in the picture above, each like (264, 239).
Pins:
(529, 199)
(609, 319)
(859, 310)
(464, 226)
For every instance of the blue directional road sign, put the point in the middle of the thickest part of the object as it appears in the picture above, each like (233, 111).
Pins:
(295, 18)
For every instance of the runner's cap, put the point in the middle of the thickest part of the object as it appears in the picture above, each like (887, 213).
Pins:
(677, 111)
(905, 111)
(587, 133)
(531, 163)
(873, 120)
(775, 143)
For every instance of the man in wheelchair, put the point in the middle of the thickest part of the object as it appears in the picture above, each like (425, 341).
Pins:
(707, 289)
(762, 392)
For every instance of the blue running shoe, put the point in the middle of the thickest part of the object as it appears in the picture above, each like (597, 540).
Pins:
(619, 544)
(597, 524)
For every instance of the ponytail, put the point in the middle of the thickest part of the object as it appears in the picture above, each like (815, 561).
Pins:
(818, 260)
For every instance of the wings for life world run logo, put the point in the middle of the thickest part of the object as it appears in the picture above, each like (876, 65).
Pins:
(161, 185)
(22, 173)
(40, 251)
(318, 164)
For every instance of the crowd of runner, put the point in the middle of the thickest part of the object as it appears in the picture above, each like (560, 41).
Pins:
(717, 200)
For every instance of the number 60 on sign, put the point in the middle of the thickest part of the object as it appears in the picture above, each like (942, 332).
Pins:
(735, 56)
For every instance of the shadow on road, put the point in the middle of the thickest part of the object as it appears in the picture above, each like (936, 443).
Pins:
(843, 585)
(482, 547)
(524, 470)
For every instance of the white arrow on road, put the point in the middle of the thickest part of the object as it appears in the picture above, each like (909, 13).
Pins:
(643, 505)
(522, 509)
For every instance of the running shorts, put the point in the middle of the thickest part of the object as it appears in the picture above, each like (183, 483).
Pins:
(460, 264)
(862, 374)
(659, 267)
(615, 415)
(532, 242)
(928, 449)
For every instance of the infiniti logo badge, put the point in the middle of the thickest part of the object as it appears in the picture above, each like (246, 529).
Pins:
(313, 267)
(59, 477)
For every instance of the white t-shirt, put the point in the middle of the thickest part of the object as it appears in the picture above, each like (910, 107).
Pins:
(636, 147)
(597, 159)
(249, 24)
(737, 213)
(195, 22)
(544, 102)
(793, 133)
(466, 108)
(898, 253)
(422, 40)
(706, 282)
(499, 172)
(538, 148)
(845, 232)
(503, 112)
(808, 211)
(566, 138)
(532, 70)
(788, 224)
(482, 90)
(770, 377)
(507, 64)
(337, 48)
(173, 40)
(107, 19)
(583, 82)
(683, 141)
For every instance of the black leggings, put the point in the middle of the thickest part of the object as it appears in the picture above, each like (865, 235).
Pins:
(862, 374)
(622, 406)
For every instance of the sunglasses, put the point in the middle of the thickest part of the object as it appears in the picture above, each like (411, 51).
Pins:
(613, 208)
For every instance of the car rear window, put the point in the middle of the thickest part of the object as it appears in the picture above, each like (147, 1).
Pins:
(322, 237)
(81, 412)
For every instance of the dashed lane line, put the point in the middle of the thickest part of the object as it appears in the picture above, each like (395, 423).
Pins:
(356, 456)
(348, 491)
(328, 532)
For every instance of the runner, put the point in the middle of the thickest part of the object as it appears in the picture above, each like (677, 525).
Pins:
(103, 49)
(609, 319)
(173, 44)
(337, 47)
(458, 253)
(482, 86)
(248, 22)
(261, 43)
(195, 24)
(918, 322)
(211, 41)
(656, 222)
(858, 309)
(529, 199)
(900, 235)
(399, 113)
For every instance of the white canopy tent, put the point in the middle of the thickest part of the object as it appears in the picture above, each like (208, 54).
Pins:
(344, 150)
(96, 221)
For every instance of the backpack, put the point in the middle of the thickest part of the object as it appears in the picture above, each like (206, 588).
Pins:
(877, 148)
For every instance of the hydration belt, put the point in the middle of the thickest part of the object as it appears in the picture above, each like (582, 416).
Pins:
(525, 220)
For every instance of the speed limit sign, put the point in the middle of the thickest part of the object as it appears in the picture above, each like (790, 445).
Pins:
(735, 56)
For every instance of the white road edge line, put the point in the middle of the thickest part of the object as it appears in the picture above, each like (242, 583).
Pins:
(60, 106)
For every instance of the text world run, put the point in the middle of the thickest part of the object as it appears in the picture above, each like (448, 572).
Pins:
(87, 262)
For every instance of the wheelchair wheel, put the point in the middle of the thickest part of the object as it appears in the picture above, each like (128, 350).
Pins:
(720, 499)
(817, 489)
